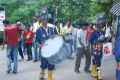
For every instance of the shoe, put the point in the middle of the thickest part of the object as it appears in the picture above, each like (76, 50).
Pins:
(117, 74)
(94, 71)
(28, 59)
(42, 74)
(9, 70)
(99, 75)
(50, 74)
(31, 59)
(77, 71)
(87, 71)
(14, 71)
(71, 58)
(35, 61)
(42, 79)
(23, 58)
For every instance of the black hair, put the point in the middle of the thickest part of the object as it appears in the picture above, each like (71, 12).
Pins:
(6, 22)
(18, 20)
(28, 25)
(57, 21)
(50, 20)
(91, 24)
(84, 24)
(69, 20)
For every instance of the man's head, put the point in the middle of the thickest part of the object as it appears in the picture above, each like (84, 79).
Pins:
(109, 23)
(44, 19)
(6, 22)
(34, 20)
(79, 25)
(18, 23)
(84, 25)
(28, 27)
(99, 26)
(69, 23)
(57, 23)
(91, 25)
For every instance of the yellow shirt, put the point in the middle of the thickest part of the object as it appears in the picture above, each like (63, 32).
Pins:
(68, 30)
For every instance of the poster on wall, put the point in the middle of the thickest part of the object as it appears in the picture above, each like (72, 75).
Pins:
(107, 50)
(2, 16)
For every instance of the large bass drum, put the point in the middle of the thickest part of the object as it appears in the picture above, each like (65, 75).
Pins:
(55, 50)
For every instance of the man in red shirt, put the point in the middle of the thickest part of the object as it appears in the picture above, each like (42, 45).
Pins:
(28, 35)
(89, 31)
(11, 39)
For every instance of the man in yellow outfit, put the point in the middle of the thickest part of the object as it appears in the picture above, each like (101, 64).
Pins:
(68, 38)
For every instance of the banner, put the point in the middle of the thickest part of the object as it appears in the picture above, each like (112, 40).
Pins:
(2, 16)
(107, 50)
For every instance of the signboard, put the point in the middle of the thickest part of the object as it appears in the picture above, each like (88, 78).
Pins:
(107, 50)
(2, 16)
(100, 17)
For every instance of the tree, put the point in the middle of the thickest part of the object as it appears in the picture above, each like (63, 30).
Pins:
(84, 10)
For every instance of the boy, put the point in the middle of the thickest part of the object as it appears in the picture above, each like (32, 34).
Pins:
(28, 35)
(96, 40)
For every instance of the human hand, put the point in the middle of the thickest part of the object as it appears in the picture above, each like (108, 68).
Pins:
(85, 48)
(52, 37)
(39, 46)
(3, 48)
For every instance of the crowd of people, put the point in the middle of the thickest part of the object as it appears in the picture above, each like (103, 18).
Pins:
(82, 38)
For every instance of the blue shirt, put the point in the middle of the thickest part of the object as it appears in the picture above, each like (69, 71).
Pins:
(94, 36)
(42, 34)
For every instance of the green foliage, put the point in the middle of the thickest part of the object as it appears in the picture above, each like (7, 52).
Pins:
(84, 10)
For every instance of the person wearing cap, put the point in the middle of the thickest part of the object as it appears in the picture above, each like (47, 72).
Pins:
(11, 39)
(44, 33)
(28, 35)
(96, 40)
(82, 49)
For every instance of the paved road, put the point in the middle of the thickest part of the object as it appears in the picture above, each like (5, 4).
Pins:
(64, 71)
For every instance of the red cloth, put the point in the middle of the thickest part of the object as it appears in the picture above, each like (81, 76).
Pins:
(11, 34)
(30, 34)
(89, 31)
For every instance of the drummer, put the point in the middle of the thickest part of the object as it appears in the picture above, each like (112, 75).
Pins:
(42, 34)
(68, 38)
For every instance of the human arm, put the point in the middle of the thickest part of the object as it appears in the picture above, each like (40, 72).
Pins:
(39, 38)
(79, 37)
(4, 38)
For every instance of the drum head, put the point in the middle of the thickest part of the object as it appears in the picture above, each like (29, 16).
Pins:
(51, 47)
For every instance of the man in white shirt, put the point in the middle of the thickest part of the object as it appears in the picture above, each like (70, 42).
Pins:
(108, 32)
(36, 25)
(82, 49)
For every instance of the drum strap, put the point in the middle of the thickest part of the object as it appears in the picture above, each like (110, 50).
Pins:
(59, 30)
